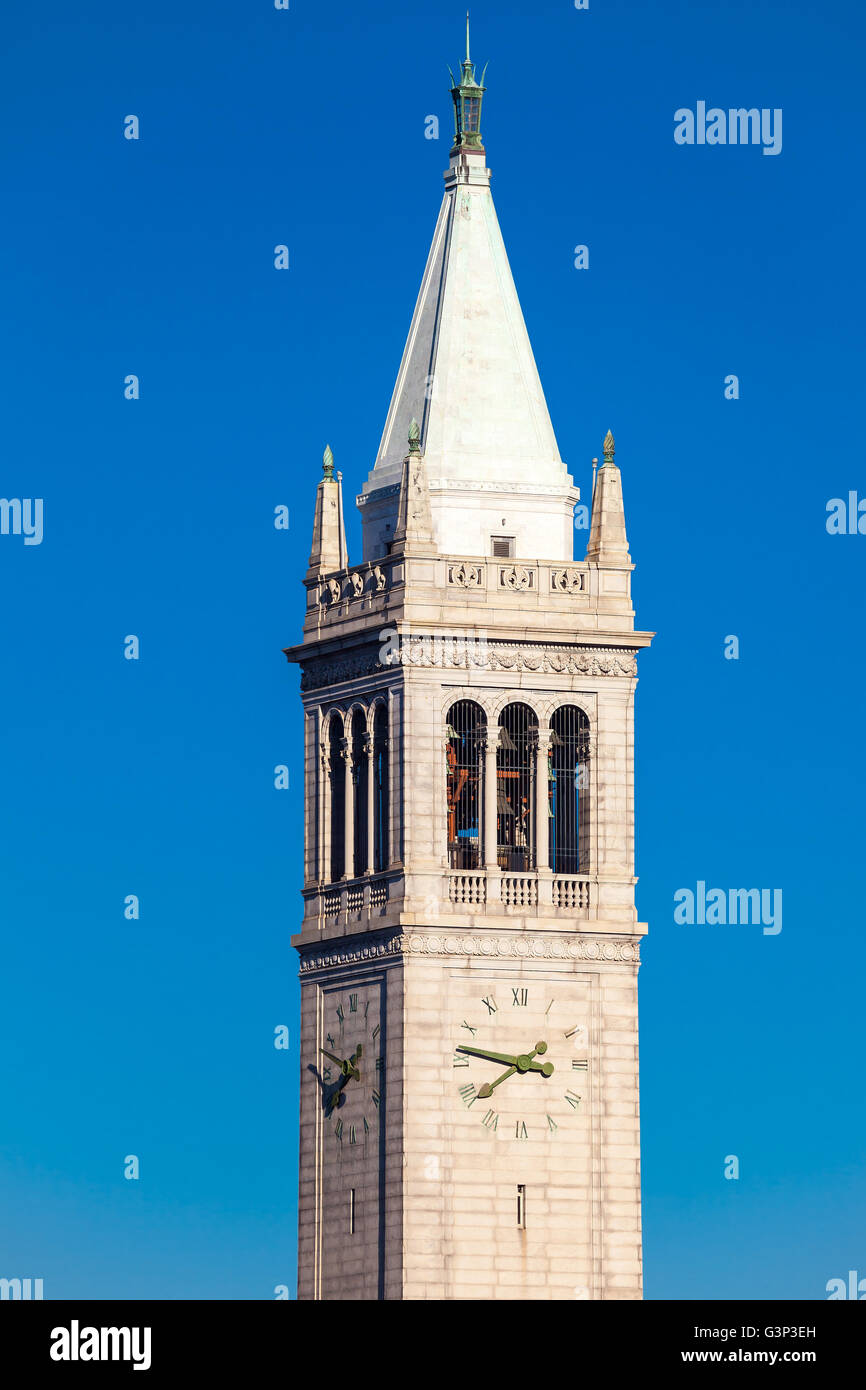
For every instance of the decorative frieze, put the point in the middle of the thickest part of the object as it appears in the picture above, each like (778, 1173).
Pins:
(518, 946)
(457, 654)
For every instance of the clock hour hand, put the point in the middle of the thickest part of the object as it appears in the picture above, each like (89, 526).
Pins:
(348, 1068)
(488, 1087)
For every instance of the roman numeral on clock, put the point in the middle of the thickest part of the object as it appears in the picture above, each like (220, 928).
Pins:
(491, 1120)
(340, 1014)
(467, 1093)
(519, 997)
(573, 1100)
(520, 1130)
(353, 1003)
(490, 1004)
(460, 1060)
(579, 1066)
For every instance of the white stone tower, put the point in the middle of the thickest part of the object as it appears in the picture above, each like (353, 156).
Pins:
(469, 952)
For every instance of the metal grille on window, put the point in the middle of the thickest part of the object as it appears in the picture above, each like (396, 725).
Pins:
(360, 772)
(464, 759)
(337, 775)
(380, 788)
(515, 788)
(503, 547)
(568, 763)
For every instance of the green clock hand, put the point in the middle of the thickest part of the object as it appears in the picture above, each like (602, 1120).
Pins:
(489, 1056)
(489, 1086)
(348, 1068)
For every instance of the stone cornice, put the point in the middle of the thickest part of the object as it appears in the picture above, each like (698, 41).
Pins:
(384, 946)
(481, 655)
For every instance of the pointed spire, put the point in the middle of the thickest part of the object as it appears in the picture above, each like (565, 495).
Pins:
(329, 551)
(608, 544)
(414, 533)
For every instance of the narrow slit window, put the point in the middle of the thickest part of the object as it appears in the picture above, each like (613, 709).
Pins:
(351, 1211)
(521, 1206)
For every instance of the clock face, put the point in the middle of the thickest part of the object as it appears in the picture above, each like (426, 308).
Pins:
(350, 1068)
(520, 1061)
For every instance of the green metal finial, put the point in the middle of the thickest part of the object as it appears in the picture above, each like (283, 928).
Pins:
(467, 96)
(414, 438)
(608, 447)
(328, 462)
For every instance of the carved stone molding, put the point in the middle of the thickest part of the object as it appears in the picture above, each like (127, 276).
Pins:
(352, 585)
(569, 581)
(369, 947)
(487, 655)
(516, 577)
(466, 576)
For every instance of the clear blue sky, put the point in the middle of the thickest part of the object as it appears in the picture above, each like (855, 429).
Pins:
(155, 777)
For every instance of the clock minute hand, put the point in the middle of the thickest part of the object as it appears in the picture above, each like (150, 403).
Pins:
(489, 1056)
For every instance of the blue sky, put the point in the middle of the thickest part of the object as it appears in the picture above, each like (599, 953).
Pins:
(155, 777)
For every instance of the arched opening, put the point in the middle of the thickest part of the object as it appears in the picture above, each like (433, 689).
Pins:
(466, 728)
(360, 773)
(515, 788)
(569, 791)
(337, 774)
(380, 789)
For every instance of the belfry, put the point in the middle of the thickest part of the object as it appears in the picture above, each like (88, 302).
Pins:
(469, 1117)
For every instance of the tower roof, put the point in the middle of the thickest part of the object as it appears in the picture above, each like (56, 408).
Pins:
(468, 374)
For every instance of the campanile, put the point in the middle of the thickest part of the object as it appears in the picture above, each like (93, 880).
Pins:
(469, 1114)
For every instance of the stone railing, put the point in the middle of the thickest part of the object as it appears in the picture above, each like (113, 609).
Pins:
(571, 894)
(353, 896)
(467, 888)
(519, 892)
(518, 578)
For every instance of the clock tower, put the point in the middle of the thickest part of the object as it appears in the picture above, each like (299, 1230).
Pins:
(469, 1118)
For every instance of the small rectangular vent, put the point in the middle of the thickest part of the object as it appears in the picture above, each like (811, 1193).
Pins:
(503, 547)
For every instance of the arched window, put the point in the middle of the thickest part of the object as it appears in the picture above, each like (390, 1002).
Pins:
(337, 775)
(515, 788)
(464, 758)
(360, 773)
(569, 791)
(380, 788)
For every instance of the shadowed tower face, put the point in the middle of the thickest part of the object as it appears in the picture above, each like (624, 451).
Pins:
(469, 948)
